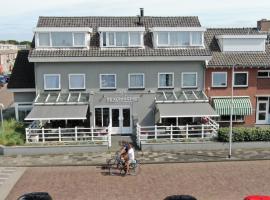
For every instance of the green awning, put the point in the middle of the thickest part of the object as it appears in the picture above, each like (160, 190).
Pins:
(241, 106)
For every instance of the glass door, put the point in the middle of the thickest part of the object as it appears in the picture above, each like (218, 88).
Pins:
(121, 121)
(126, 119)
(262, 112)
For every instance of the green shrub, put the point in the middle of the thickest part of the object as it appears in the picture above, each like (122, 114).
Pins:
(13, 133)
(242, 134)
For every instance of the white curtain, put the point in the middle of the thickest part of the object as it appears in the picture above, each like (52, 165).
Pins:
(135, 38)
(196, 38)
(184, 38)
(77, 81)
(165, 80)
(61, 39)
(189, 80)
(121, 39)
(111, 38)
(163, 38)
(136, 81)
(79, 39)
(52, 82)
(44, 39)
(108, 81)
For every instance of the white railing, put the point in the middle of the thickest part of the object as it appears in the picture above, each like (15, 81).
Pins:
(176, 133)
(68, 135)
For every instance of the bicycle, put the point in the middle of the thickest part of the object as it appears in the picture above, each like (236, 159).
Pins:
(117, 166)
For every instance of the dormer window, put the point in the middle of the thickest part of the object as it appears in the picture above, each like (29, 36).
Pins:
(121, 36)
(62, 37)
(241, 43)
(178, 37)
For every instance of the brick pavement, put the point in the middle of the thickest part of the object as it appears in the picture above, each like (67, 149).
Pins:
(144, 157)
(205, 181)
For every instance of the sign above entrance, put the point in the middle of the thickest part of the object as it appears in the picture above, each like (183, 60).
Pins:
(122, 99)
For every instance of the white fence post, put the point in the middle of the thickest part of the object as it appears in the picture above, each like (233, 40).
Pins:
(202, 130)
(138, 128)
(187, 131)
(155, 132)
(59, 131)
(171, 136)
(76, 133)
(43, 136)
(92, 133)
(27, 135)
(109, 136)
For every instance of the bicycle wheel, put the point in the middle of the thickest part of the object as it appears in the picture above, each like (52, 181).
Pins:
(135, 169)
(112, 166)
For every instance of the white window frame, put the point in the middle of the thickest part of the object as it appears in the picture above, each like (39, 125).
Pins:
(164, 87)
(107, 88)
(182, 79)
(142, 87)
(44, 78)
(190, 40)
(69, 76)
(50, 38)
(219, 86)
(114, 36)
(268, 71)
(240, 72)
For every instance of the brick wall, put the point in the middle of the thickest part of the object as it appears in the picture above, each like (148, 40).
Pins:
(255, 87)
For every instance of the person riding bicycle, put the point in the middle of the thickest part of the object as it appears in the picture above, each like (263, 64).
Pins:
(130, 158)
(124, 151)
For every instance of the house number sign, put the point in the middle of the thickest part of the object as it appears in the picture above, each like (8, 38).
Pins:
(122, 99)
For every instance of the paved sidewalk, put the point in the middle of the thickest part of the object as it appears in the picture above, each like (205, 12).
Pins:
(144, 157)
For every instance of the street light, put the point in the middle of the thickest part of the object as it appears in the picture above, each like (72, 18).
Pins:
(2, 118)
(231, 114)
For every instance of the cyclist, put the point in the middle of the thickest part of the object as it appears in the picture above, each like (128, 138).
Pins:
(130, 158)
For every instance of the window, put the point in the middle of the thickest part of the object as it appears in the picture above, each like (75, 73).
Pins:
(52, 82)
(179, 38)
(44, 39)
(189, 79)
(136, 80)
(219, 79)
(121, 39)
(107, 81)
(240, 79)
(102, 117)
(79, 39)
(61, 39)
(235, 118)
(263, 74)
(76, 81)
(165, 80)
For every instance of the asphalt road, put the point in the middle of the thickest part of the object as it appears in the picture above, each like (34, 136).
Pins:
(205, 181)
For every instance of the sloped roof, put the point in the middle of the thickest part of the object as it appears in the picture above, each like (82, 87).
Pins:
(95, 22)
(255, 59)
(23, 75)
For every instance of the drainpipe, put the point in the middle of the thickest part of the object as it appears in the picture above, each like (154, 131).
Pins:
(2, 118)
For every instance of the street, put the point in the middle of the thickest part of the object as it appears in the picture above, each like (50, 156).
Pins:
(205, 181)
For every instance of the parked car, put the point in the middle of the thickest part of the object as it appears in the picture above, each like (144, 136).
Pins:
(2, 81)
(7, 76)
(180, 197)
(35, 196)
(257, 197)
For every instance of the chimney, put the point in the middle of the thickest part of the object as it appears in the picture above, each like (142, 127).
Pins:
(263, 25)
(141, 16)
(142, 12)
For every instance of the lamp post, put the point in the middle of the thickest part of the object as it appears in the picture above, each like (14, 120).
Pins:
(2, 118)
(231, 114)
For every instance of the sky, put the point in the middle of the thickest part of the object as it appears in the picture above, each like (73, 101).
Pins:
(19, 17)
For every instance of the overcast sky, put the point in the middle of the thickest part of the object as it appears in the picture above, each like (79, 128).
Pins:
(19, 17)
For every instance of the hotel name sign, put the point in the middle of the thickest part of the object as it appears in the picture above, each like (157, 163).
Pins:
(122, 99)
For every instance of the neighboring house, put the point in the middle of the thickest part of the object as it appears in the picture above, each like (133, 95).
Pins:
(7, 59)
(22, 84)
(248, 51)
(96, 71)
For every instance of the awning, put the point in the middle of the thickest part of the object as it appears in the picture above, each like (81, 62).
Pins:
(58, 112)
(241, 106)
(167, 110)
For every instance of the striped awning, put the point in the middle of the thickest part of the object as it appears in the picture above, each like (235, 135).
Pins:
(241, 106)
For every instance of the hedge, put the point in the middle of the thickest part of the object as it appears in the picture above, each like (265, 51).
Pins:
(242, 134)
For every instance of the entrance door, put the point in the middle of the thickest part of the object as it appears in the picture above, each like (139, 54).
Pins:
(262, 112)
(121, 121)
